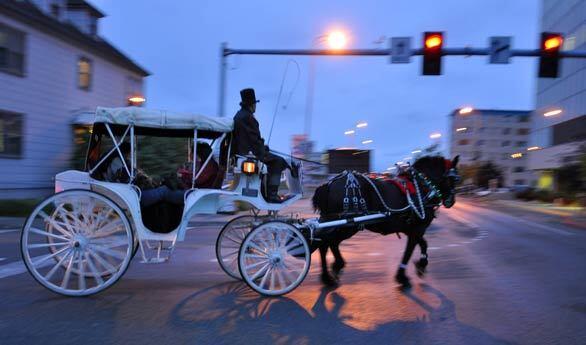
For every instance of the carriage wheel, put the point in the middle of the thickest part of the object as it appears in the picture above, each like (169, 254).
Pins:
(77, 243)
(274, 258)
(229, 241)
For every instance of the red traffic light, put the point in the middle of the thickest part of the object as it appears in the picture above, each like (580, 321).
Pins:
(433, 41)
(553, 42)
(432, 53)
(549, 61)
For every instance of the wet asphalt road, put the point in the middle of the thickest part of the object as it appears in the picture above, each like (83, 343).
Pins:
(493, 278)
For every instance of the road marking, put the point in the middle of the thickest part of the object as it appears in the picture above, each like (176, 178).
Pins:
(18, 267)
(5, 231)
(462, 220)
(453, 245)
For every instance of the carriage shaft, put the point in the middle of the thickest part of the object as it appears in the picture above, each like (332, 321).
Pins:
(357, 220)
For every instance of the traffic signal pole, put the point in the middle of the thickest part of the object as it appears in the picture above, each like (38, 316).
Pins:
(466, 51)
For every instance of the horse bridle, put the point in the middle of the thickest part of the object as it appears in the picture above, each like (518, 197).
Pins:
(435, 191)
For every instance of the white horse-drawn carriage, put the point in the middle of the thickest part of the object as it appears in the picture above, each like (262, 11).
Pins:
(81, 240)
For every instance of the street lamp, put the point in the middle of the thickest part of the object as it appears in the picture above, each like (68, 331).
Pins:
(336, 40)
(435, 135)
(465, 110)
(361, 124)
(552, 112)
(349, 132)
(366, 142)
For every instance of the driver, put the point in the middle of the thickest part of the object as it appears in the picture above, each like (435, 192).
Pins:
(248, 139)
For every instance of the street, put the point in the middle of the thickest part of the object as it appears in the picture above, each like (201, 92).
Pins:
(493, 278)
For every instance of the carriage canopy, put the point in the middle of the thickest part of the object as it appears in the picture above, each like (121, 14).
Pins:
(162, 119)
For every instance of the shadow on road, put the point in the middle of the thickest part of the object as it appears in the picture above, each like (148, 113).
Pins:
(232, 313)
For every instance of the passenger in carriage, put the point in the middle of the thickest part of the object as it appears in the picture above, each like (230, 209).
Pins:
(116, 172)
(247, 139)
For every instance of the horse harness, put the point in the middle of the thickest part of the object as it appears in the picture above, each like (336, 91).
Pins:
(354, 202)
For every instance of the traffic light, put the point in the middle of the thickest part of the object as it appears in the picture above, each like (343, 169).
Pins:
(432, 53)
(549, 59)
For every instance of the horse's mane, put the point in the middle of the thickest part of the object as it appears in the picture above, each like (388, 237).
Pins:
(433, 163)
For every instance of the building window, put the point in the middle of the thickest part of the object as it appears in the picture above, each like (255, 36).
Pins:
(521, 143)
(463, 142)
(84, 73)
(524, 118)
(518, 169)
(506, 143)
(55, 10)
(507, 131)
(12, 56)
(523, 131)
(10, 135)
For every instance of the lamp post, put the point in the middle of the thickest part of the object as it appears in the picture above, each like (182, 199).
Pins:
(336, 40)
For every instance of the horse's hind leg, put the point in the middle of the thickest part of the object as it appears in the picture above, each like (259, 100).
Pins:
(421, 265)
(339, 264)
(401, 276)
(326, 278)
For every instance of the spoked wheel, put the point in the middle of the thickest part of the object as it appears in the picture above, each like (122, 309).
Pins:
(274, 258)
(77, 243)
(229, 241)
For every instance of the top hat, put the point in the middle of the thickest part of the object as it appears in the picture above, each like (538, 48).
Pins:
(248, 97)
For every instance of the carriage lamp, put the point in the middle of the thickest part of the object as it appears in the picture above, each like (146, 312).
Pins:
(249, 167)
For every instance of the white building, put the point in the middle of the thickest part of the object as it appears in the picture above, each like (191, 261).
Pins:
(53, 66)
(497, 136)
(559, 122)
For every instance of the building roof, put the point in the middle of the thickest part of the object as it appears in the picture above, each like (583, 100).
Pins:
(83, 5)
(494, 112)
(28, 13)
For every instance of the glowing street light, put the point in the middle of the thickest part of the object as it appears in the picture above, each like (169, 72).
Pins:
(533, 148)
(552, 113)
(349, 132)
(336, 39)
(465, 110)
(361, 124)
(461, 129)
(416, 151)
(516, 155)
(365, 142)
(435, 135)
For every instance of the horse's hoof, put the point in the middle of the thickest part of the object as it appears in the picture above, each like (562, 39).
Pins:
(402, 279)
(421, 266)
(328, 280)
(338, 269)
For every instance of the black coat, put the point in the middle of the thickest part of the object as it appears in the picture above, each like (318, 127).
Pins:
(247, 135)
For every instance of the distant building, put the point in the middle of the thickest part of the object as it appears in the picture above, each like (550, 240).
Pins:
(497, 136)
(348, 159)
(54, 68)
(559, 123)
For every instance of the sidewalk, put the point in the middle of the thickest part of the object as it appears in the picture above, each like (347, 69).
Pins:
(570, 216)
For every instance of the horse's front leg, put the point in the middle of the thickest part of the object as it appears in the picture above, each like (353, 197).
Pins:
(326, 278)
(401, 276)
(339, 264)
(421, 265)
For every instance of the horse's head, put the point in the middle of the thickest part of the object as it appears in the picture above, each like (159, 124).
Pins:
(441, 175)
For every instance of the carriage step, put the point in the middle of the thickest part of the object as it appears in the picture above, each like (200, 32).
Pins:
(158, 248)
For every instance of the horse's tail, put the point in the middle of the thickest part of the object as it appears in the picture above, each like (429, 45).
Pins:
(320, 198)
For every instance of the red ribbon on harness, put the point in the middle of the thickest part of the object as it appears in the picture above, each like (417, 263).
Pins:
(447, 164)
(403, 183)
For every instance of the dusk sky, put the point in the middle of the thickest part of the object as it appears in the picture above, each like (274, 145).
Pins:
(179, 41)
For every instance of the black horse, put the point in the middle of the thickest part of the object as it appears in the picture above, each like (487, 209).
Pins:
(409, 201)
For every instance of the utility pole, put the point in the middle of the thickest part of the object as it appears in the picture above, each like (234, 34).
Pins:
(222, 86)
